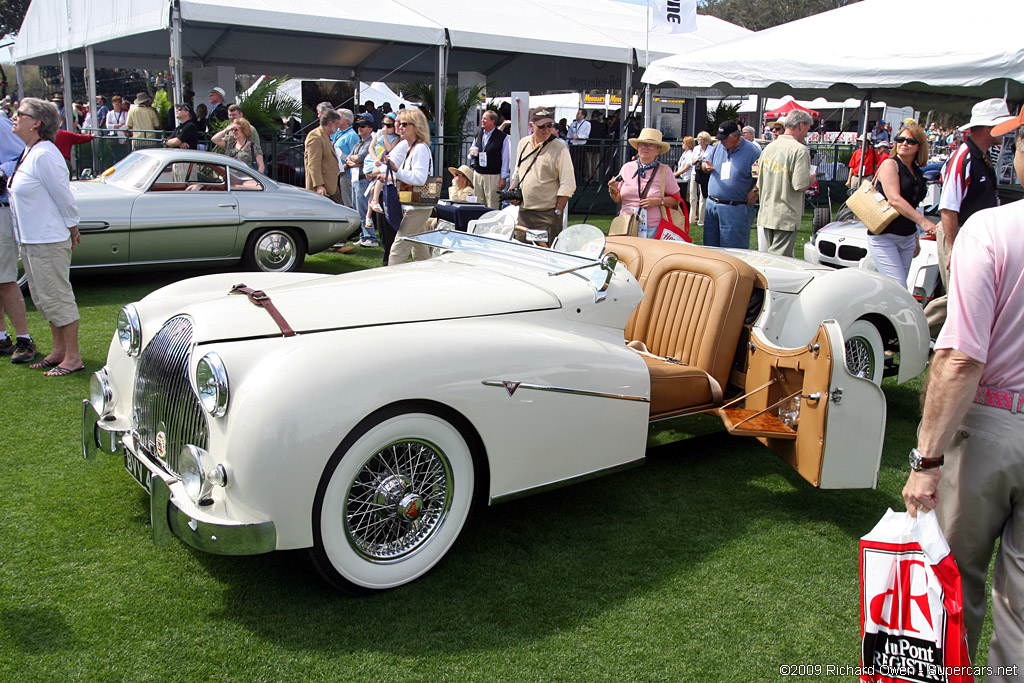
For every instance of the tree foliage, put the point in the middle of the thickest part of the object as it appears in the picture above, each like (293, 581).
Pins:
(720, 114)
(12, 13)
(757, 15)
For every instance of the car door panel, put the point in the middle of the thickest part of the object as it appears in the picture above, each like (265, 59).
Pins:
(171, 224)
(834, 439)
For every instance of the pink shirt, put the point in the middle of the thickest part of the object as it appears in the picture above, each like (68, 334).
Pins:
(985, 315)
(664, 184)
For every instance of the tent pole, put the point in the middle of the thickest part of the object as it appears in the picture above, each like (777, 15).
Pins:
(178, 90)
(864, 132)
(627, 87)
(21, 82)
(442, 73)
(90, 85)
(65, 76)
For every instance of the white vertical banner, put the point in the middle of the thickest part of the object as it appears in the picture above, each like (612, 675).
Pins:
(673, 16)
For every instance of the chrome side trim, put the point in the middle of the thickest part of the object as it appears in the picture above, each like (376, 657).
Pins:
(560, 390)
(586, 476)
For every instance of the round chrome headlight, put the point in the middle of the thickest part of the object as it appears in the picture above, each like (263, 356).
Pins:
(193, 473)
(101, 393)
(129, 330)
(212, 384)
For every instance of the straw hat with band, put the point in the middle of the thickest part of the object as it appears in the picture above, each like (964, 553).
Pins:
(464, 171)
(651, 136)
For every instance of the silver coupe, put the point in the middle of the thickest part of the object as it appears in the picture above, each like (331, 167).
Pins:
(163, 206)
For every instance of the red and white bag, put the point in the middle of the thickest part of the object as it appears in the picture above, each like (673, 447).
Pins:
(911, 608)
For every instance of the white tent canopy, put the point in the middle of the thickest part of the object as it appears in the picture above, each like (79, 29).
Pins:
(527, 44)
(975, 52)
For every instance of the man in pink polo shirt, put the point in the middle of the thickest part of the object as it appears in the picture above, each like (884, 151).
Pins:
(969, 460)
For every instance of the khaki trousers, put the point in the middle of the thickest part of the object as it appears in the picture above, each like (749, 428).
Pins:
(981, 500)
(485, 187)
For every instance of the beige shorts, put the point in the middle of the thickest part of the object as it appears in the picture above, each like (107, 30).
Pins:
(8, 247)
(48, 267)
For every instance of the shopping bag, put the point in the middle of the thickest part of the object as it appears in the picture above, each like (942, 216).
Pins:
(675, 223)
(911, 609)
(392, 206)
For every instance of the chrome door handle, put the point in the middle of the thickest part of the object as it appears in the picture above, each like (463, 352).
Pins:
(227, 206)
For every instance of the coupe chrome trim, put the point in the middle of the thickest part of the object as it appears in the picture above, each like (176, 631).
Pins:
(586, 476)
(504, 384)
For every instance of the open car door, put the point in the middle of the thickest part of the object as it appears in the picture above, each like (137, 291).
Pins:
(805, 405)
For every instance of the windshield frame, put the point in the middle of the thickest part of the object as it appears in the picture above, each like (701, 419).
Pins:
(530, 256)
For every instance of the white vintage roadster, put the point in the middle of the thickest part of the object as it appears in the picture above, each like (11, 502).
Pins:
(237, 414)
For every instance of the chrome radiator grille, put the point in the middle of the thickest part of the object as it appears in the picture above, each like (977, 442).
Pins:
(167, 413)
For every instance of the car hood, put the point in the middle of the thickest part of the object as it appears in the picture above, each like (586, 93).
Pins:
(415, 292)
(785, 275)
(90, 189)
(849, 229)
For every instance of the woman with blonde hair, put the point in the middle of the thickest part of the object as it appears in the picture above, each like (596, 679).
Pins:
(902, 182)
(410, 163)
(684, 167)
(699, 182)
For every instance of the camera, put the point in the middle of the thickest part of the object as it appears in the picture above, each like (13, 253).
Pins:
(3, 182)
(514, 194)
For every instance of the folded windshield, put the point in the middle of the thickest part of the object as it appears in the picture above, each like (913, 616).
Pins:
(527, 255)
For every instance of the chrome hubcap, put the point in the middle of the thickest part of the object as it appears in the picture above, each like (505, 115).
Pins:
(398, 500)
(275, 251)
(859, 360)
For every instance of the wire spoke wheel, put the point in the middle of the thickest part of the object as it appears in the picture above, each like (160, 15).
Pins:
(864, 351)
(398, 499)
(392, 500)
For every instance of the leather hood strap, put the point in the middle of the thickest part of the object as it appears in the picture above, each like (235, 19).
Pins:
(260, 298)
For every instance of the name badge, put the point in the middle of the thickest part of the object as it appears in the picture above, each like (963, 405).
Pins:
(726, 171)
(483, 158)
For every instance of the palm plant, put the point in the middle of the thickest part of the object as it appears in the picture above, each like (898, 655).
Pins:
(264, 107)
(722, 113)
(457, 104)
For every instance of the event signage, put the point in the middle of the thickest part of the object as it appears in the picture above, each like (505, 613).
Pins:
(673, 16)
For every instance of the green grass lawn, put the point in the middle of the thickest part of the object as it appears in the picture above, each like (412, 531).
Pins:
(714, 562)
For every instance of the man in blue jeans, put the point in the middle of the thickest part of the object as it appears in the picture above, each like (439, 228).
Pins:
(731, 188)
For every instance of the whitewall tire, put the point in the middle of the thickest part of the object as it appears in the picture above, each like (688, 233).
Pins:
(392, 501)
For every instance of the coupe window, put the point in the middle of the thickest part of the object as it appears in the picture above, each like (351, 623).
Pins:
(191, 176)
(243, 182)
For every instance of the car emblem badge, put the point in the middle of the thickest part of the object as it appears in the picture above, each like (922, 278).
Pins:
(161, 445)
(842, 239)
(511, 387)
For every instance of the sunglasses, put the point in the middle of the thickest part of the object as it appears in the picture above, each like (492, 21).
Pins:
(546, 125)
(389, 125)
(25, 113)
(899, 139)
(403, 124)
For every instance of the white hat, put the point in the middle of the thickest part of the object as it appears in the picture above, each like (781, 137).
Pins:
(219, 91)
(987, 113)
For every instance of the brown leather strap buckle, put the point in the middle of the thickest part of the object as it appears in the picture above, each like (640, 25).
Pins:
(259, 298)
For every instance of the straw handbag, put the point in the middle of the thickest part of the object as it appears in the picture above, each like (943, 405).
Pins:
(871, 207)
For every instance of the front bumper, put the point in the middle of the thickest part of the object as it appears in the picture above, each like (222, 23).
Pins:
(170, 510)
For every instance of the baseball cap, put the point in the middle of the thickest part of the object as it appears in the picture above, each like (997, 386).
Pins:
(726, 129)
(363, 121)
(541, 115)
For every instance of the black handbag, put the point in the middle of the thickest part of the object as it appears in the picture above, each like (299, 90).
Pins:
(392, 207)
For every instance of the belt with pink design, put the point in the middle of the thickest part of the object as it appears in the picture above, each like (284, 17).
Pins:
(1000, 398)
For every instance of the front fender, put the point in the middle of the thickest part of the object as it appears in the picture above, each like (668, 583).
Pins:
(293, 400)
(848, 295)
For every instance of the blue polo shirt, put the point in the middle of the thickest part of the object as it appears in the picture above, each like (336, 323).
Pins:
(738, 186)
(345, 141)
(10, 150)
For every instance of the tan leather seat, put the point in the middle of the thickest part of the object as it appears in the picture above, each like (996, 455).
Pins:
(694, 303)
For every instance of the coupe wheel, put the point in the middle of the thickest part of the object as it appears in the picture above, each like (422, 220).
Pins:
(864, 351)
(276, 250)
(391, 502)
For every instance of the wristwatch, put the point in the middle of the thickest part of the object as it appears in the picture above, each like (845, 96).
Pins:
(918, 462)
(558, 212)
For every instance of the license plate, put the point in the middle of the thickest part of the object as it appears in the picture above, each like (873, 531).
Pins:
(139, 472)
